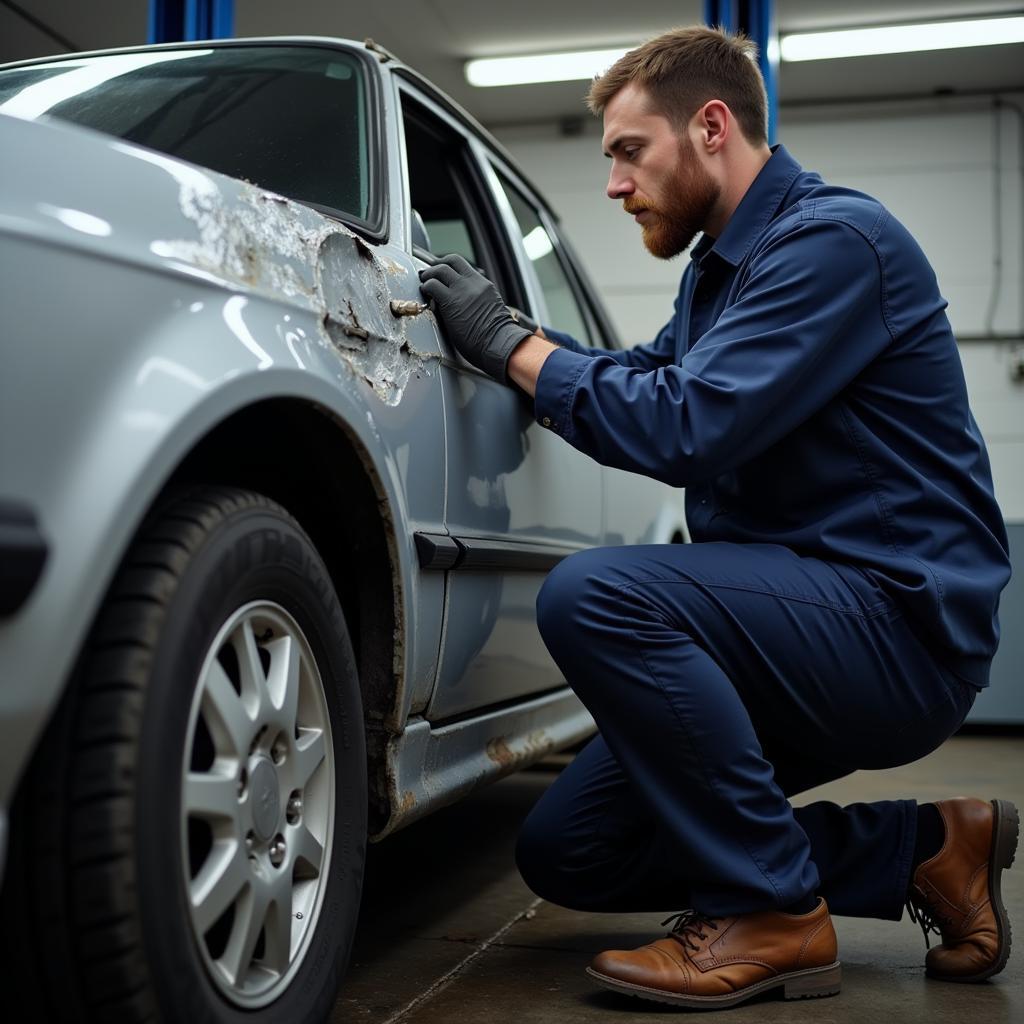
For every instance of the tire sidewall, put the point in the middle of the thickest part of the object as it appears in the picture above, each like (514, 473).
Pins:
(254, 554)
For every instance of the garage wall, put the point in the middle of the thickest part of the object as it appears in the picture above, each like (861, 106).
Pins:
(951, 169)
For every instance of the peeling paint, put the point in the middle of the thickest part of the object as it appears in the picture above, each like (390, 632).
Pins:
(529, 748)
(269, 243)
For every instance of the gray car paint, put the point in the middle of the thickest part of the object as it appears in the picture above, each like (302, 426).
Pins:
(145, 301)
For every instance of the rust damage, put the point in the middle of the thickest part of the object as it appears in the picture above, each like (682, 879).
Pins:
(269, 243)
(523, 750)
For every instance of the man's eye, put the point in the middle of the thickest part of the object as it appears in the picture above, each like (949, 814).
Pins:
(631, 152)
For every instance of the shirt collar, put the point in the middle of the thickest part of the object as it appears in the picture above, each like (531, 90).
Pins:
(758, 206)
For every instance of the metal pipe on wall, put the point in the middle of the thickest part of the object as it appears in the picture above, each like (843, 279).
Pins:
(756, 19)
(172, 21)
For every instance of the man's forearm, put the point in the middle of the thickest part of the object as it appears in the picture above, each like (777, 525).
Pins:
(525, 363)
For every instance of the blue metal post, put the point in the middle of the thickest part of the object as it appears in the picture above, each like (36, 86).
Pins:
(756, 18)
(175, 20)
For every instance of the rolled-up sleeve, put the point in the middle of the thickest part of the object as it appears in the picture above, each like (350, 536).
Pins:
(809, 315)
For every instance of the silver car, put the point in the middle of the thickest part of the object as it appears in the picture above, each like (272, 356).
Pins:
(267, 580)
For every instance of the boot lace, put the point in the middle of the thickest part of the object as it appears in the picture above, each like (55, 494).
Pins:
(929, 919)
(688, 925)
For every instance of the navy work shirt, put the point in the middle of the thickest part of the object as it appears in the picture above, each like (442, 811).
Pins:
(808, 392)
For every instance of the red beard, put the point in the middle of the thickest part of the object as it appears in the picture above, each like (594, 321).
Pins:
(689, 197)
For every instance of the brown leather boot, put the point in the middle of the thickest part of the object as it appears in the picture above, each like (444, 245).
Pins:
(711, 963)
(956, 893)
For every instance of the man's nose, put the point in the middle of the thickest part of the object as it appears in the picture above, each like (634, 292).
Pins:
(619, 185)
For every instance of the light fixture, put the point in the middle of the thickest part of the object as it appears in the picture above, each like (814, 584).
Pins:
(865, 42)
(797, 46)
(540, 67)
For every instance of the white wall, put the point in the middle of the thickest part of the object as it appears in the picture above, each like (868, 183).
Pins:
(932, 163)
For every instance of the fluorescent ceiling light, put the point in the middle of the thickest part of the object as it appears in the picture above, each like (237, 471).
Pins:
(540, 67)
(856, 42)
(863, 42)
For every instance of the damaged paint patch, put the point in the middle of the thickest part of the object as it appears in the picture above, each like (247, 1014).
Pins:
(353, 290)
(270, 244)
(526, 750)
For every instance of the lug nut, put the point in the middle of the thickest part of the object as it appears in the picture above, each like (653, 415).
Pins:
(277, 852)
(294, 810)
(250, 841)
(243, 781)
(278, 751)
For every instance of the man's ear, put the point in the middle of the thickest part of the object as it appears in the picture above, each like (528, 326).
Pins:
(713, 123)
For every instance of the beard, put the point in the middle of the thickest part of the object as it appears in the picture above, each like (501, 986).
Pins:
(689, 197)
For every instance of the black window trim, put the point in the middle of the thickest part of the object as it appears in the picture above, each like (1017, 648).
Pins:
(582, 289)
(487, 229)
(466, 122)
(376, 226)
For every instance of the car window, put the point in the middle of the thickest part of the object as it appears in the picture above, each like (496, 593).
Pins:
(565, 313)
(290, 119)
(450, 210)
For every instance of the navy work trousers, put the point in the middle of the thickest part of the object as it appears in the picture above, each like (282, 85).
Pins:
(724, 678)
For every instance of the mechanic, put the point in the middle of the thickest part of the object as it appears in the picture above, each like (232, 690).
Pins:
(837, 609)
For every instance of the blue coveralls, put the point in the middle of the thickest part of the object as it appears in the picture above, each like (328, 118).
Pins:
(837, 609)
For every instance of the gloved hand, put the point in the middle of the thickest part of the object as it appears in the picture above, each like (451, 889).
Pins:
(474, 317)
(525, 320)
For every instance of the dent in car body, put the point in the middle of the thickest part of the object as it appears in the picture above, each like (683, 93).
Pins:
(268, 242)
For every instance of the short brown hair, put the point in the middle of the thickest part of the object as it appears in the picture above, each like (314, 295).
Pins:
(684, 68)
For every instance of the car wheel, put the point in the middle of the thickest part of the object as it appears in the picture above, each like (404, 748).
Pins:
(196, 814)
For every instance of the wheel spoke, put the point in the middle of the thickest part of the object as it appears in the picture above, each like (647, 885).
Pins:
(226, 717)
(218, 884)
(283, 681)
(211, 796)
(310, 750)
(250, 913)
(253, 678)
(277, 928)
(305, 846)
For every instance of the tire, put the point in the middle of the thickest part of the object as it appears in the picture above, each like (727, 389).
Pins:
(206, 771)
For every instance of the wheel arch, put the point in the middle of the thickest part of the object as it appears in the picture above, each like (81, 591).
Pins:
(303, 457)
(308, 460)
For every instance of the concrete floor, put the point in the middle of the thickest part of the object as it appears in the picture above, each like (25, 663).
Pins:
(449, 933)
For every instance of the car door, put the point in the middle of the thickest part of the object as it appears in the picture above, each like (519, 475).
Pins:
(637, 510)
(518, 498)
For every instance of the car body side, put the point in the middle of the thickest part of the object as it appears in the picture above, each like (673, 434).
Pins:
(163, 320)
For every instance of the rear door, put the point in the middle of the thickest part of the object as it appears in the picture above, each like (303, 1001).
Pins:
(518, 498)
(637, 509)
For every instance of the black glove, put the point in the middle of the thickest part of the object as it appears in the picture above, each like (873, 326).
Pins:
(524, 319)
(474, 317)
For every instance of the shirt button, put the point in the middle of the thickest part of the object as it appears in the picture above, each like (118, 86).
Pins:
(546, 421)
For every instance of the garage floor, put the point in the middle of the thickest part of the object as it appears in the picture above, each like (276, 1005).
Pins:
(449, 932)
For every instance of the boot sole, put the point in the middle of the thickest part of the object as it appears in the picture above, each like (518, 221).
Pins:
(814, 983)
(1005, 834)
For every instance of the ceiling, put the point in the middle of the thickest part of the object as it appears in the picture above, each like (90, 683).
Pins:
(437, 36)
